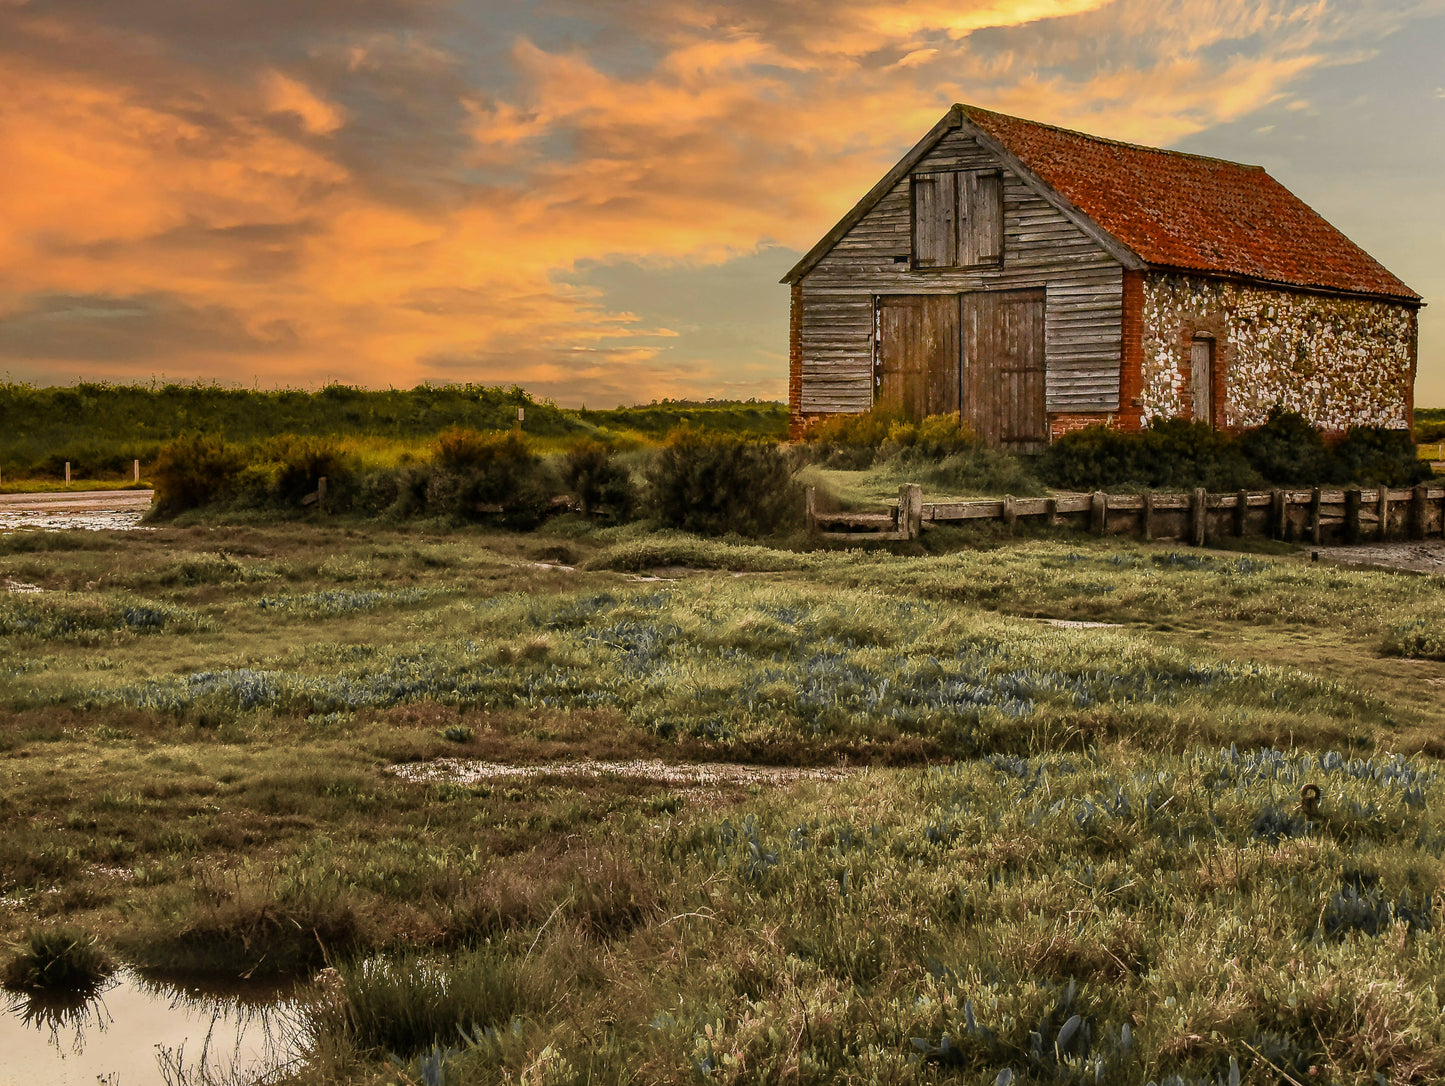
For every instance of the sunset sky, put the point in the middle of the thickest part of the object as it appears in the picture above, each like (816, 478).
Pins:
(595, 198)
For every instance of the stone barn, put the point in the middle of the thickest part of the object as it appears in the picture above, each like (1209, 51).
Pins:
(1037, 280)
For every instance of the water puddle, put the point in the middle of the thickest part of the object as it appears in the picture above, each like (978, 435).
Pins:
(688, 774)
(92, 510)
(138, 1031)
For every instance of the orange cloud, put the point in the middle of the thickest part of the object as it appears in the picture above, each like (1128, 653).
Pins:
(383, 207)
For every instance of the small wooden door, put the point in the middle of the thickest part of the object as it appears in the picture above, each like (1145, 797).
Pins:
(918, 354)
(1002, 385)
(1201, 378)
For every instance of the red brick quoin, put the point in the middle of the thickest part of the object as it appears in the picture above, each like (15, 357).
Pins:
(796, 422)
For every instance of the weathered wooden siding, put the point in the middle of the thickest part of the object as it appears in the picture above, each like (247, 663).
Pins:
(1042, 248)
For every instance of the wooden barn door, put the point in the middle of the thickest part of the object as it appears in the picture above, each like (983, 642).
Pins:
(918, 354)
(1002, 383)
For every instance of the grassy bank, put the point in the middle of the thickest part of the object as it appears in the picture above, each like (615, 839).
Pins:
(1045, 856)
(101, 428)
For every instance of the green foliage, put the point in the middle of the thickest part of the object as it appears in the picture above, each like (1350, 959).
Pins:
(1175, 454)
(1374, 455)
(717, 485)
(458, 733)
(1429, 425)
(763, 420)
(599, 481)
(1418, 638)
(490, 475)
(194, 470)
(1168, 454)
(90, 619)
(55, 959)
(1288, 450)
(407, 1003)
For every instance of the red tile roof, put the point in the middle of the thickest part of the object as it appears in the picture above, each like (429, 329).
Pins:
(1186, 211)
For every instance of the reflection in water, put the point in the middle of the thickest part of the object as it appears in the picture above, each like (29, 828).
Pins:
(133, 1030)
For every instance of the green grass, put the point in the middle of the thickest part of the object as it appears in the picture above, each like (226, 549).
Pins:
(57, 959)
(102, 428)
(1038, 823)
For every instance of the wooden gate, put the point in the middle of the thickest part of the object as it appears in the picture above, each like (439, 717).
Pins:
(980, 354)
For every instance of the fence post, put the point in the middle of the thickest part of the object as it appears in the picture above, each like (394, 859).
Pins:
(137, 471)
(1010, 512)
(1198, 512)
(1315, 528)
(1148, 515)
(321, 493)
(810, 499)
(1241, 514)
(1352, 515)
(910, 497)
(1052, 506)
(1382, 510)
(67, 473)
(1278, 513)
(1417, 511)
(1099, 512)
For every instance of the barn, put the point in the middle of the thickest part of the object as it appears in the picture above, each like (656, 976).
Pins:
(1038, 280)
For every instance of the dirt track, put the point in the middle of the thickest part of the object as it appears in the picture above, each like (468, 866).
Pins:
(86, 509)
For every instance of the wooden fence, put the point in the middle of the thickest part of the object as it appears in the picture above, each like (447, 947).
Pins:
(1316, 515)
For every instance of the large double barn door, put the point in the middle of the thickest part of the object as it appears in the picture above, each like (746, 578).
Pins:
(980, 354)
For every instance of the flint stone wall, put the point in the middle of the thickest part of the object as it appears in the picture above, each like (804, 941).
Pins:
(1340, 362)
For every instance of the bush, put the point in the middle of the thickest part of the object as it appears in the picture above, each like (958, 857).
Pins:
(1374, 455)
(599, 481)
(715, 484)
(194, 470)
(489, 475)
(1288, 450)
(57, 959)
(935, 438)
(1170, 453)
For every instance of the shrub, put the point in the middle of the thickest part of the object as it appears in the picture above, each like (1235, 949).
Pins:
(1379, 456)
(935, 438)
(479, 475)
(192, 471)
(60, 958)
(599, 481)
(1172, 453)
(301, 461)
(1288, 450)
(869, 428)
(1093, 457)
(715, 484)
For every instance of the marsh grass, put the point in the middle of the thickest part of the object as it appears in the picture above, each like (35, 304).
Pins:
(62, 958)
(1109, 835)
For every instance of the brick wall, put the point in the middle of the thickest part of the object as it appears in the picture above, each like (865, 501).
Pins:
(1067, 422)
(796, 421)
(1131, 362)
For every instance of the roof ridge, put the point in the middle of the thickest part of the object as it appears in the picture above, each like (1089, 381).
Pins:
(968, 109)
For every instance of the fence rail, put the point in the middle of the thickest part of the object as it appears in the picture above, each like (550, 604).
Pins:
(1316, 515)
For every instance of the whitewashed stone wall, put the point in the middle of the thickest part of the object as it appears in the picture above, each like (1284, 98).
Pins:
(1340, 362)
